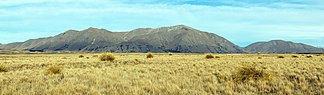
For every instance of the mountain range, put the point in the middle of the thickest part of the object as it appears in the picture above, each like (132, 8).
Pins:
(179, 39)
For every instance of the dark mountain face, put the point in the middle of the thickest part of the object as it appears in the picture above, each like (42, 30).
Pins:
(280, 46)
(178, 38)
(89, 39)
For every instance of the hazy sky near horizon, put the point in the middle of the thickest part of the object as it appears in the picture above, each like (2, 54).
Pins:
(240, 21)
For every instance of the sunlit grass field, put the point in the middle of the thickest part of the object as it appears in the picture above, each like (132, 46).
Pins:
(164, 74)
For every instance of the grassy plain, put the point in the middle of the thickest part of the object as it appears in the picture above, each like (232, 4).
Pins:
(165, 74)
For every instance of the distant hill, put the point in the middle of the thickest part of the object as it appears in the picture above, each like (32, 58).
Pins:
(280, 46)
(179, 38)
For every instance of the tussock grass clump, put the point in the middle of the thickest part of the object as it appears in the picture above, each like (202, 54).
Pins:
(3, 68)
(107, 57)
(54, 69)
(95, 55)
(280, 57)
(294, 56)
(309, 56)
(259, 57)
(217, 57)
(247, 73)
(209, 56)
(81, 56)
(149, 55)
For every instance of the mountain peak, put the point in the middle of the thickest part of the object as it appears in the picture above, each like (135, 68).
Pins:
(278, 41)
(181, 26)
(92, 29)
(177, 27)
(69, 32)
(162, 29)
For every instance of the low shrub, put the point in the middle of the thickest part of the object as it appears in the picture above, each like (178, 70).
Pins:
(149, 55)
(54, 70)
(280, 57)
(247, 73)
(3, 68)
(81, 56)
(294, 56)
(107, 57)
(309, 56)
(209, 56)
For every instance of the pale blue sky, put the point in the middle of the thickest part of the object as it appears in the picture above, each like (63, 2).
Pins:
(240, 21)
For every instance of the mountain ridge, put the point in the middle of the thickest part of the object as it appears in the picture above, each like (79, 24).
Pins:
(178, 38)
(281, 46)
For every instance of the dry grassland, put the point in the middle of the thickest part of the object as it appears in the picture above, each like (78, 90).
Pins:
(164, 74)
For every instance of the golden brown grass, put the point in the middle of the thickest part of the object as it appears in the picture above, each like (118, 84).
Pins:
(95, 55)
(179, 74)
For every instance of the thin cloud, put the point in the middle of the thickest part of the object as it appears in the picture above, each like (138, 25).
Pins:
(242, 22)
